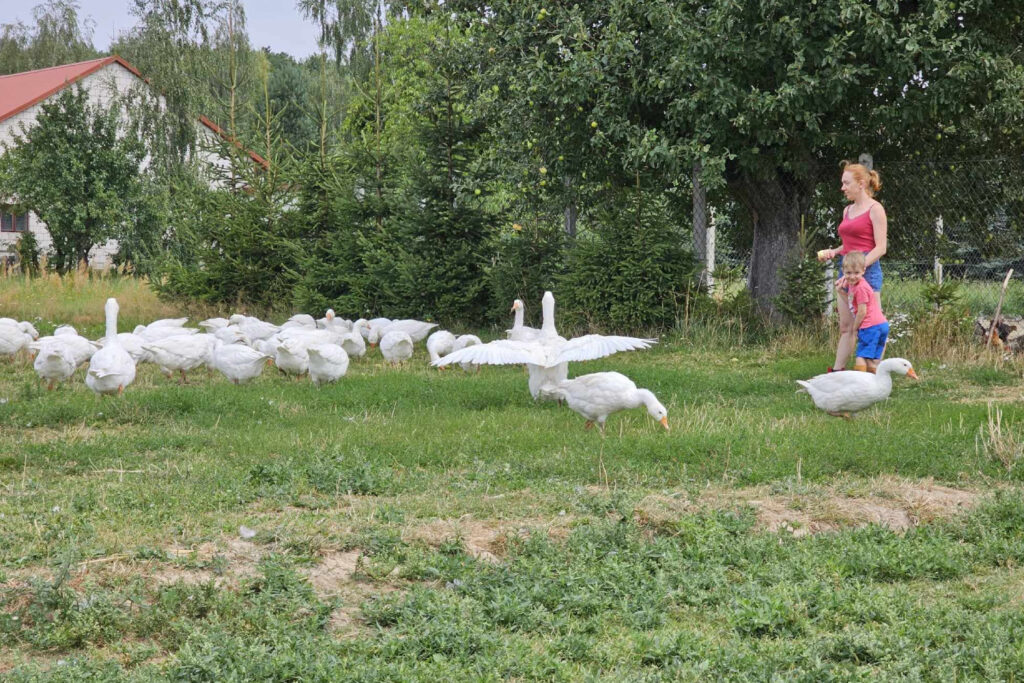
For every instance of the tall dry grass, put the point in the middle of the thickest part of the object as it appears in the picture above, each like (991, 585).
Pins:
(77, 299)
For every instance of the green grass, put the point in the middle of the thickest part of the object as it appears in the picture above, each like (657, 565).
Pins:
(120, 554)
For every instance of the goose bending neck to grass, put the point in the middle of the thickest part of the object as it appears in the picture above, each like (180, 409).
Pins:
(548, 356)
(111, 369)
(843, 393)
(598, 395)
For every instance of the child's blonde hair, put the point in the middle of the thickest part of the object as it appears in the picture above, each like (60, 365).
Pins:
(855, 259)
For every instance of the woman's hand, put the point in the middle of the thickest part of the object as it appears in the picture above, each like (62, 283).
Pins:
(826, 254)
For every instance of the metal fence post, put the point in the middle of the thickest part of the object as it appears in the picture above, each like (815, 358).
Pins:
(937, 265)
(709, 252)
(829, 288)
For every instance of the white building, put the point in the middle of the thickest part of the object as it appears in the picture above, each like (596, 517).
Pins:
(21, 98)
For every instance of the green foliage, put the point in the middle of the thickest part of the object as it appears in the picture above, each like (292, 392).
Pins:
(941, 295)
(630, 273)
(58, 36)
(77, 173)
(241, 248)
(759, 96)
(529, 256)
(27, 249)
(802, 299)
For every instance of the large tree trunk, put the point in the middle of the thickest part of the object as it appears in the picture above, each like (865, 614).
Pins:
(775, 206)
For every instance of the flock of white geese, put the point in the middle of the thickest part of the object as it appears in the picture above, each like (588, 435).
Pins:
(241, 346)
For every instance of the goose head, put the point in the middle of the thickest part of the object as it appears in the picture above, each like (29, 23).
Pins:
(654, 407)
(900, 366)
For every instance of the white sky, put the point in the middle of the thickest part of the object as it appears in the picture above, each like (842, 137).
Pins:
(276, 24)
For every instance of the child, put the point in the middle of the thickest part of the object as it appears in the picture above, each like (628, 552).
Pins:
(871, 325)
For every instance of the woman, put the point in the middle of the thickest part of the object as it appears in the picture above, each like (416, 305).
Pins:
(864, 228)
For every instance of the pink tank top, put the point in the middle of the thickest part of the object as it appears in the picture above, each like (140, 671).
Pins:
(857, 234)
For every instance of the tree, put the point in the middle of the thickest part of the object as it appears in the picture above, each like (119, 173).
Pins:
(75, 171)
(764, 96)
(57, 37)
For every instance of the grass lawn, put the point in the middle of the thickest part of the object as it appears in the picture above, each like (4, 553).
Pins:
(411, 524)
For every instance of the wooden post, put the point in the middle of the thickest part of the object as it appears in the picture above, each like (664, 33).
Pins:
(999, 309)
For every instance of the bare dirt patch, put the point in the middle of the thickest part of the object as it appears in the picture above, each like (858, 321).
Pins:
(890, 502)
(334, 569)
(484, 539)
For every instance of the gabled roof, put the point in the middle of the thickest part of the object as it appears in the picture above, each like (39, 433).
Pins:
(21, 91)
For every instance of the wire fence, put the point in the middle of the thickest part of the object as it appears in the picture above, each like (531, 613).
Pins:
(955, 228)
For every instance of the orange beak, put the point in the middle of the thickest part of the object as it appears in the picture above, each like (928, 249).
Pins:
(664, 423)
(911, 373)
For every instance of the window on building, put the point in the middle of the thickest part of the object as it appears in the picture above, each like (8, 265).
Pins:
(10, 221)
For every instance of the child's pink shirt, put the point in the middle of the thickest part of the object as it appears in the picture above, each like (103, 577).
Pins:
(861, 293)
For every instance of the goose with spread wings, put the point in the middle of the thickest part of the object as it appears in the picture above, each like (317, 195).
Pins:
(548, 356)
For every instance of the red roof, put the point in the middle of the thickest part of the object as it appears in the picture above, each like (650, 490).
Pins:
(18, 92)
(21, 91)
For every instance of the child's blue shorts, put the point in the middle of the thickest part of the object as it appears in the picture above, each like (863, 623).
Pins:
(873, 274)
(871, 341)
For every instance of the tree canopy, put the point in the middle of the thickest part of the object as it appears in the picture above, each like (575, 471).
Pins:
(764, 96)
(75, 170)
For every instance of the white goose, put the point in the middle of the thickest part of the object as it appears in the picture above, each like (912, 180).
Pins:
(132, 343)
(330, 321)
(254, 328)
(211, 324)
(353, 342)
(78, 347)
(845, 392)
(547, 358)
(24, 325)
(111, 369)
(291, 357)
(440, 343)
(597, 395)
(520, 332)
(396, 346)
(416, 329)
(300, 320)
(327, 363)
(54, 363)
(370, 324)
(461, 342)
(13, 337)
(152, 332)
(237, 362)
(181, 353)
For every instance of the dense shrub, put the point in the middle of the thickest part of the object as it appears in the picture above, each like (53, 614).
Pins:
(630, 272)
(528, 258)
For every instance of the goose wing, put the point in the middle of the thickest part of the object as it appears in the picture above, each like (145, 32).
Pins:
(591, 346)
(500, 352)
